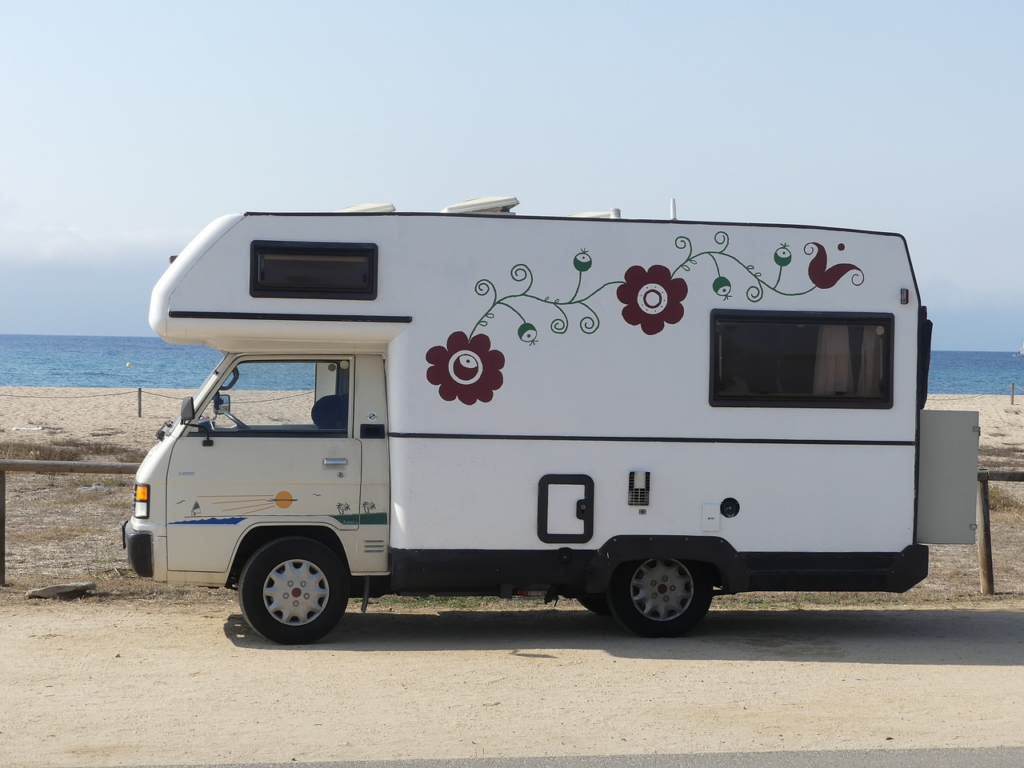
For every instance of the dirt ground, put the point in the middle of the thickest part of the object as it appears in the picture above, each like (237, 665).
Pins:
(132, 682)
(139, 673)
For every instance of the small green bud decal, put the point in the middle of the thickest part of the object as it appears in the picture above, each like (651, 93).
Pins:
(528, 333)
(582, 261)
(722, 287)
(783, 255)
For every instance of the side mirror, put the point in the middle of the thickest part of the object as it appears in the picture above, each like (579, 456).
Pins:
(188, 414)
(221, 404)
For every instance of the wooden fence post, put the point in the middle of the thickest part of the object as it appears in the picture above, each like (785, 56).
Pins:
(984, 534)
(140, 402)
(3, 528)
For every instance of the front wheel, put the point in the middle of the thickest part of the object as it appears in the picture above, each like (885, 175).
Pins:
(660, 597)
(293, 590)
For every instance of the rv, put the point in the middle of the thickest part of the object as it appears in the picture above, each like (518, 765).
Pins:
(636, 414)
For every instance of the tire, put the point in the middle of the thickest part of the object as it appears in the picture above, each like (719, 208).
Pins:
(595, 604)
(293, 590)
(660, 597)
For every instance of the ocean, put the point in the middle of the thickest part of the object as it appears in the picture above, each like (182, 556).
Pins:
(102, 361)
(151, 363)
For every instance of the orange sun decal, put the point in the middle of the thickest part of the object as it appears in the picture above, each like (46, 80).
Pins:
(252, 503)
(283, 499)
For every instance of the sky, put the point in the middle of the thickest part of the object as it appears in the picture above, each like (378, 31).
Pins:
(126, 127)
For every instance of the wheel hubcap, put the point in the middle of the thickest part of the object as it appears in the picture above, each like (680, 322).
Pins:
(661, 590)
(296, 592)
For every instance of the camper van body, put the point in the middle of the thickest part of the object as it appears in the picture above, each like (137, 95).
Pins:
(629, 412)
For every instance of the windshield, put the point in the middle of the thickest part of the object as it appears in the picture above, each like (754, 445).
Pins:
(199, 395)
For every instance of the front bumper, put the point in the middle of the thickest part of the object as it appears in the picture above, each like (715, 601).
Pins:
(139, 545)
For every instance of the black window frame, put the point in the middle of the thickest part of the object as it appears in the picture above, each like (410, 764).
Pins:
(720, 316)
(259, 248)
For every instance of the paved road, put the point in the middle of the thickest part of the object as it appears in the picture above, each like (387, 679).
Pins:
(879, 758)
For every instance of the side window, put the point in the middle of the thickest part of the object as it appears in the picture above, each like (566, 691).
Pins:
(282, 396)
(313, 270)
(791, 360)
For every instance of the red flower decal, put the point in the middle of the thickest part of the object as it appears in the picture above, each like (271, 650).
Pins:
(466, 369)
(824, 276)
(652, 298)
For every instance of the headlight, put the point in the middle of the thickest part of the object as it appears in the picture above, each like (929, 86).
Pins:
(141, 501)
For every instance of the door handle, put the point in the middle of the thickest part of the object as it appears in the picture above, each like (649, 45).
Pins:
(335, 462)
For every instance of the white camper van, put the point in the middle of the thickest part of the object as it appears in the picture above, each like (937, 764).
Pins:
(635, 414)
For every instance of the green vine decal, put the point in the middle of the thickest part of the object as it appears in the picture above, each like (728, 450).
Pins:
(652, 297)
(721, 284)
(468, 369)
(782, 257)
(527, 331)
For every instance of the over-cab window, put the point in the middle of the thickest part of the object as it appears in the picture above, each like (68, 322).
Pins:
(313, 270)
(801, 360)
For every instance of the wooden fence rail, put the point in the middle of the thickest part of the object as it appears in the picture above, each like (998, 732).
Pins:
(47, 467)
(983, 521)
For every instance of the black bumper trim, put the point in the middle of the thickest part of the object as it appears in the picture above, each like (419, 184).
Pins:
(485, 571)
(585, 571)
(140, 550)
(837, 571)
(770, 571)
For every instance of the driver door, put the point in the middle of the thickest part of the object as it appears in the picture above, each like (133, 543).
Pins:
(273, 446)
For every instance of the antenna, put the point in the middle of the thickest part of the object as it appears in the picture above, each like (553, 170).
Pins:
(672, 208)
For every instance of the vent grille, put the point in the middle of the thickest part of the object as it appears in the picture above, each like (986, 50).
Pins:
(374, 546)
(639, 489)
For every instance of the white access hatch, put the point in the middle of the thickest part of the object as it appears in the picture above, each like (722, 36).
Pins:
(947, 484)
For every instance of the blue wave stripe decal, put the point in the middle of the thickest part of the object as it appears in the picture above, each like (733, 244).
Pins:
(210, 521)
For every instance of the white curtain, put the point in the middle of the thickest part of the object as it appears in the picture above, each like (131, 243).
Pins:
(832, 370)
(869, 378)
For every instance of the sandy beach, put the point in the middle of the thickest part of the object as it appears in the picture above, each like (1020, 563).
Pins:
(37, 414)
(1002, 426)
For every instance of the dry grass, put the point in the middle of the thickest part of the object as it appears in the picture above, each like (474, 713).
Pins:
(70, 450)
(1005, 506)
(57, 532)
(66, 527)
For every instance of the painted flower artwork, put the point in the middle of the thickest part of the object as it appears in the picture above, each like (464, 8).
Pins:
(758, 279)
(652, 298)
(824, 276)
(465, 369)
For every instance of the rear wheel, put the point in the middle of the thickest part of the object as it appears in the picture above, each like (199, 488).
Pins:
(293, 590)
(660, 597)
